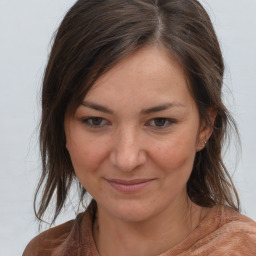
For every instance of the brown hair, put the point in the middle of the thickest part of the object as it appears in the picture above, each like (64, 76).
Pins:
(96, 34)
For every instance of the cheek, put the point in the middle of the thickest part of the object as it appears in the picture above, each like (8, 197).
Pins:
(86, 154)
(176, 154)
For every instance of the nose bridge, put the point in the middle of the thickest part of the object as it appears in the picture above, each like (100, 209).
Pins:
(127, 153)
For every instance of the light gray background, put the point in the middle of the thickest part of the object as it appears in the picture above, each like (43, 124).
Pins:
(26, 28)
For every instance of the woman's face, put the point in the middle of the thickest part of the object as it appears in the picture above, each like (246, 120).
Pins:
(133, 140)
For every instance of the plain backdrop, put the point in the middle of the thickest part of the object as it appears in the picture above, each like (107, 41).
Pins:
(26, 28)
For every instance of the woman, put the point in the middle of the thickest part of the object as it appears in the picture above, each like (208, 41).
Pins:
(132, 110)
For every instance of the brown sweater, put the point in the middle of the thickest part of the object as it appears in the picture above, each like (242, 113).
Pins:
(222, 232)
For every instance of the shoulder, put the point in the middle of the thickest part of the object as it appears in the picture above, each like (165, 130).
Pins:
(223, 231)
(46, 242)
(235, 222)
(71, 238)
(234, 234)
(238, 230)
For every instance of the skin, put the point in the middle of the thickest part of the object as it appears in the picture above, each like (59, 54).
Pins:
(126, 139)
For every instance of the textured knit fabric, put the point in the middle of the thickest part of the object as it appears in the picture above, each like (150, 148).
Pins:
(222, 232)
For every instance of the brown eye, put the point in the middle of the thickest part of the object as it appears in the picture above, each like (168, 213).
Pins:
(160, 121)
(95, 122)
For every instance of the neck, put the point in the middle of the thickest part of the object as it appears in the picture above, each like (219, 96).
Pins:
(150, 237)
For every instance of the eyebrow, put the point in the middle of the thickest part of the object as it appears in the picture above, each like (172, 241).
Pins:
(154, 109)
(98, 107)
(161, 107)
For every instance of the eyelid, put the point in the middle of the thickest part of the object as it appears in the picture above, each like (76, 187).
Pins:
(169, 120)
(87, 120)
(104, 122)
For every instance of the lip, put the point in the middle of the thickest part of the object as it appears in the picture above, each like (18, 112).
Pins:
(129, 186)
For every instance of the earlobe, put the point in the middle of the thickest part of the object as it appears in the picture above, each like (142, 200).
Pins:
(66, 131)
(201, 144)
(67, 144)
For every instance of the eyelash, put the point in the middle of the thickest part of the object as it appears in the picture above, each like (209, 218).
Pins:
(167, 122)
(89, 122)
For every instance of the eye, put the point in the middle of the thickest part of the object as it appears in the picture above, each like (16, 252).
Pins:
(95, 122)
(160, 123)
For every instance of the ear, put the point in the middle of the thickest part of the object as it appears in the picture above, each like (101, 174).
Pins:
(67, 145)
(206, 129)
(67, 133)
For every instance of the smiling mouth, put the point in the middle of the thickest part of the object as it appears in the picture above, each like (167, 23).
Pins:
(129, 186)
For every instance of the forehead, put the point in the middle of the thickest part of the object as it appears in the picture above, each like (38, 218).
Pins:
(150, 74)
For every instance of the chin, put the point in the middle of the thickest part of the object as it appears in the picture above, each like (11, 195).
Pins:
(133, 211)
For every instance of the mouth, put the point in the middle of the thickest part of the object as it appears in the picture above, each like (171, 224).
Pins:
(129, 186)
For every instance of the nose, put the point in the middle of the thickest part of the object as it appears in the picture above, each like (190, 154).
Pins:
(127, 152)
